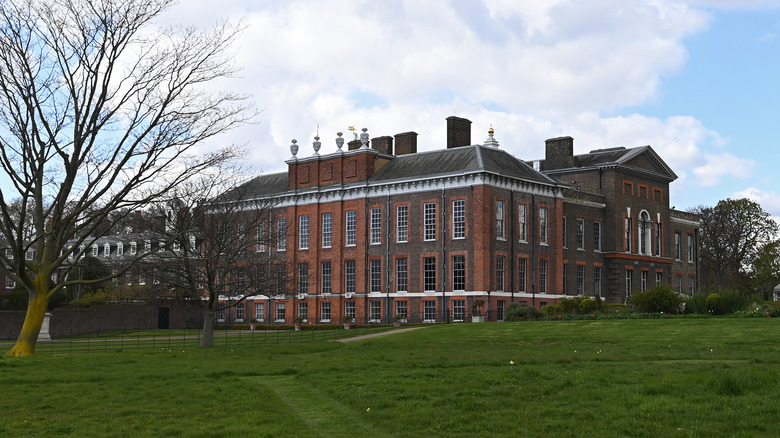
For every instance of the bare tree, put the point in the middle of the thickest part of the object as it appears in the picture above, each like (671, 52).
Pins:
(219, 247)
(99, 113)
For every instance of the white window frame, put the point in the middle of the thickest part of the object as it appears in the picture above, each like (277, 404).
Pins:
(325, 311)
(429, 221)
(402, 223)
(458, 310)
(543, 230)
(261, 232)
(459, 272)
(350, 276)
(351, 228)
(281, 312)
(402, 274)
(326, 278)
(459, 219)
(281, 234)
(303, 231)
(376, 226)
(522, 222)
(580, 234)
(500, 220)
(327, 230)
(375, 275)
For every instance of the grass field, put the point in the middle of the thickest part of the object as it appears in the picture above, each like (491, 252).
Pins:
(649, 378)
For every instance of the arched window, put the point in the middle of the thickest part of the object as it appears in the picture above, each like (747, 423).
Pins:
(645, 233)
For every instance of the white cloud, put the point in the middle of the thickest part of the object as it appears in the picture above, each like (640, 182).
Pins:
(532, 70)
(716, 167)
(769, 201)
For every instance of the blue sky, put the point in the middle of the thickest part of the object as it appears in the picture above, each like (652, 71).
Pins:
(696, 80)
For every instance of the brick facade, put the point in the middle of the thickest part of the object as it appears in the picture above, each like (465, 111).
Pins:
(445, 266)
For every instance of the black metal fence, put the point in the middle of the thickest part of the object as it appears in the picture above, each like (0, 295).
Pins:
(183, 339)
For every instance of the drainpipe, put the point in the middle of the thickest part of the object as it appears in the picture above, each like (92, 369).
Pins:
(387, 260)
(444, 314)
(534, 214)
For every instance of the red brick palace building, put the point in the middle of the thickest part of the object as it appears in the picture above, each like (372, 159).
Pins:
(380, 230)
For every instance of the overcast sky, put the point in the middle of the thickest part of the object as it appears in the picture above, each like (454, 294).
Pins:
(696, 80)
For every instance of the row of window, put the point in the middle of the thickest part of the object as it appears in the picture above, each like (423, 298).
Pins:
(326, 311)
(402, 272)
(119, 249)
(644, 281)
(429, 276)
(678, 247)
(429, 231)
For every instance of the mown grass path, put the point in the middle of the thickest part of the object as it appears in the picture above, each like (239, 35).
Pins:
(321, 414)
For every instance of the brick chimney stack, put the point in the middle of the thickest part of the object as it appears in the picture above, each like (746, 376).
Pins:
(458, 132)
(559, 153)
(406, 143)
(383, 144)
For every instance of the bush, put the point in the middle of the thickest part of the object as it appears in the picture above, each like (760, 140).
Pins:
(552, 310)
(613, 308)
(734, 301)
(715, 304)
(520, 311)
(570, 305)
(15, 300)
(588, 306)
(696, 304)
(657, 299)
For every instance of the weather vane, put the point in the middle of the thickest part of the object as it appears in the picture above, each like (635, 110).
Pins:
(352, 128)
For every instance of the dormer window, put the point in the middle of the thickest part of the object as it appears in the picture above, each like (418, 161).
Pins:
(106, 249)
(94, 250)
(133, 248)
(120, 249)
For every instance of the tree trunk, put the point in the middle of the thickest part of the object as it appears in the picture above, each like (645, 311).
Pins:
(207, 340)
(28, 337)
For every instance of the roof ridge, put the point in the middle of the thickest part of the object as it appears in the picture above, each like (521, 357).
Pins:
(480, 162)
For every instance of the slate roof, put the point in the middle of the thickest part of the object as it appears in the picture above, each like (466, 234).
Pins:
(444, 162)
(265, 185)
(456, 161)
(619, 156)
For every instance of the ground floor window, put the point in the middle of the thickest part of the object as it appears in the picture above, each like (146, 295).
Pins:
(401, 310)
(303, 310)
(375, 308)
(349, 309)
(280, 307)
(240, 312)
(221, 315)
(260, 312)
(458, 310)
(325, 311)
(500, 306)
(429, 311)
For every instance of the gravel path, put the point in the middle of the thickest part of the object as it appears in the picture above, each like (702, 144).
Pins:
(374, 335)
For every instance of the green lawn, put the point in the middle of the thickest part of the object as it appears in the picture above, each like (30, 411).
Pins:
(678, 377)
